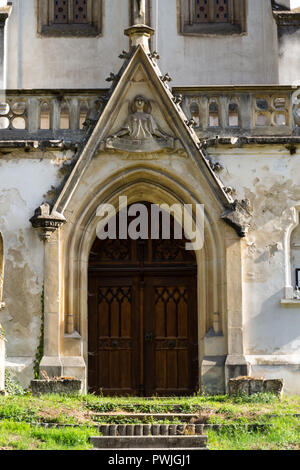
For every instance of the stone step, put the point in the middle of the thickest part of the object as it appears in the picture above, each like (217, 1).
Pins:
(147, 407)
(150, 449)
(149, 442)
(150, 429)
(183, 417)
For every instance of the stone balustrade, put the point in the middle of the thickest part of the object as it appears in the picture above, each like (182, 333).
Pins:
(243, 110)
(47, 114)
(217, 111)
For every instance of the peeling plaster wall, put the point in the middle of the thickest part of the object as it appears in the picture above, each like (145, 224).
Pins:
(269, 177)
(24, 182)
(266, 175)
(40, 62)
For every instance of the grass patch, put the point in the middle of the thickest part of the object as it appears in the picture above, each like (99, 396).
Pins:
(24, 436)
(284, 434)
(21, 417)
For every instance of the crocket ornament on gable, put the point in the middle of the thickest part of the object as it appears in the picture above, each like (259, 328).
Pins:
(140, 133)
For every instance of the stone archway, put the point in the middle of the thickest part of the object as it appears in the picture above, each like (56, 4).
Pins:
(142, 318)
(66, 266)
(148, 185)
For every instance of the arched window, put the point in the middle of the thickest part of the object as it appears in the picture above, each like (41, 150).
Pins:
(45, 115)
(64, 116)
(295, 256)
(213, 16)
(70, 17)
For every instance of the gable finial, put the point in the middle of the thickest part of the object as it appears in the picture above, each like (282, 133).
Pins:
(139, 33)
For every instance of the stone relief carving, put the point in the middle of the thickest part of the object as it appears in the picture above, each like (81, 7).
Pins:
(140, 133)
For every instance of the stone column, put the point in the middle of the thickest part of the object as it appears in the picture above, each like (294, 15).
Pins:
(236, 364)
(51, 362)
(5, 10)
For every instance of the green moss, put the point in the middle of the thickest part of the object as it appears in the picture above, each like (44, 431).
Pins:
(40, 348)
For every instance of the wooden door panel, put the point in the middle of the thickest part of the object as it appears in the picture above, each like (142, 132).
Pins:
(171, 357)
(113, 335)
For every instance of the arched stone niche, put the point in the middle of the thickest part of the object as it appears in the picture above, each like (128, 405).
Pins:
(67, 255)
(292, 256)
(295, 255)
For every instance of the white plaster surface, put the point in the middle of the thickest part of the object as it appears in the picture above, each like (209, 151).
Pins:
(40, 62)
(24, 182)
(270, 179)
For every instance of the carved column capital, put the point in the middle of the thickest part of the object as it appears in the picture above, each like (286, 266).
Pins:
(5, 11)
(46, 222)
(139, 35)
(238, 217)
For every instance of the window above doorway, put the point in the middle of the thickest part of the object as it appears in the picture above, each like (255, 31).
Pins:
(213, 17)
(70, 17)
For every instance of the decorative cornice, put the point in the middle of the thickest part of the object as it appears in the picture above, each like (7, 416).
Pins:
(287, 18)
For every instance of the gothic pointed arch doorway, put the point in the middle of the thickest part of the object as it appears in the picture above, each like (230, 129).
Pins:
(142, 316)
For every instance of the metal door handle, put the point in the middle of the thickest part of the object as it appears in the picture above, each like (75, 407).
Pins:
(149, 336)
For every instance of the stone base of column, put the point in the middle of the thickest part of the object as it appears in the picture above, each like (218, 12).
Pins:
(52, 365)
(74, 366)
(236, 366)
(213, 375)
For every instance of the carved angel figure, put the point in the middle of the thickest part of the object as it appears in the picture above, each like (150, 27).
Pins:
(140, 124)
(140, 132)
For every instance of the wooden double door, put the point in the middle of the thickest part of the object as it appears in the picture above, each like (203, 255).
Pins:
(142, 325)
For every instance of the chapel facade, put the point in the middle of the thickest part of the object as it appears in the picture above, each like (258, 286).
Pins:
(168, 103)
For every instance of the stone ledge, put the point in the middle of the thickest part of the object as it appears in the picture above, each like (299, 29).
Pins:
(251, 385)
(293, 302)
(63, 386)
